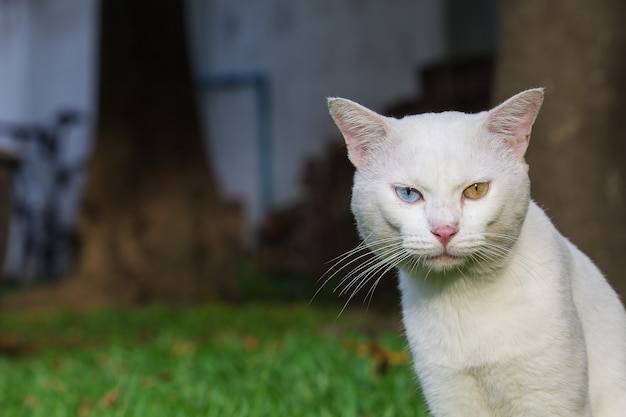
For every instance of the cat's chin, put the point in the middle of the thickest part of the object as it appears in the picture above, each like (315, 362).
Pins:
(442, 262)
(445, 261)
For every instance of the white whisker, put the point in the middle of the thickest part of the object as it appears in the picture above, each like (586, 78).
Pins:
(385, 248)
(367, 268)
(367, 263)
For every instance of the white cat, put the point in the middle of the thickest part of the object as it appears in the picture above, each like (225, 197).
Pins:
(504, 316)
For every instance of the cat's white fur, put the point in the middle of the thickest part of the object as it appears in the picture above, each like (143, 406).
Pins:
(508, 318)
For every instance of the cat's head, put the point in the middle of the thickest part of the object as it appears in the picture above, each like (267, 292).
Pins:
(440, 192)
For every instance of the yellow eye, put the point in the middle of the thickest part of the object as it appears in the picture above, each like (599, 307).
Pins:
(477, 190)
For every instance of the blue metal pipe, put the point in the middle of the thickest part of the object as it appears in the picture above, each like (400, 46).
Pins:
(260, 82)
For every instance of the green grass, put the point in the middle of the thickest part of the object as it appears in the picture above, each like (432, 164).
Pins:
(215, 360)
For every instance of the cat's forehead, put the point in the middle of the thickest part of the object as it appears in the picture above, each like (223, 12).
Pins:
(439, 146)
(439, 135)
(449, 125)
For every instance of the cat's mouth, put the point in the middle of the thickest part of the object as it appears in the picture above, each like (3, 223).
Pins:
(446, 259)
(440, 258)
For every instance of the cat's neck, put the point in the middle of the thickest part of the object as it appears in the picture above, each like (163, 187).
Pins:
(437, 284)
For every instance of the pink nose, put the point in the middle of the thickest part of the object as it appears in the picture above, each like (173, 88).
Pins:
(445, 234)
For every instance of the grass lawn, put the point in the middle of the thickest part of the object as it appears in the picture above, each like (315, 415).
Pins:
(213, 360)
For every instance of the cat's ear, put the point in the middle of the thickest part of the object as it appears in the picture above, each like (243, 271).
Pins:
(514, 119)
(362, 129)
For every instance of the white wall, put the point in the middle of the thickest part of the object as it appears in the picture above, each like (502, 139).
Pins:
(47, 57)
(48, 51)
(366, 50)
(14, 59)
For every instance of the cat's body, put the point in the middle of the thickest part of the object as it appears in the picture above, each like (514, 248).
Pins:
(504, 316)
(546, 338)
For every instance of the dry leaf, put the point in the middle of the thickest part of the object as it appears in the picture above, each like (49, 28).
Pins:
(30, 401)
(183, 348)
(250, 343)
(109, 399)
(152, 380)
(56, 385)
(86, 407)
(381, 356)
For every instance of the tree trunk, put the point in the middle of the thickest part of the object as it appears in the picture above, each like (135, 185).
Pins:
(152, 224)
(577, 51)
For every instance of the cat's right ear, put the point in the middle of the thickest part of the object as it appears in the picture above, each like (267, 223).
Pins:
(514, 119)
(362, 129)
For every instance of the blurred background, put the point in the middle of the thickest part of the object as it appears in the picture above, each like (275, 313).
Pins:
(182, 151)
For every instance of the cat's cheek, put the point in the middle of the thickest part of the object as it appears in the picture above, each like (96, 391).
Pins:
(374, 221)
(393, 220)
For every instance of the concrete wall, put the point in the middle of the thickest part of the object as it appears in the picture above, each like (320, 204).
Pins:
(48, 51)
(47, 57)
(366, 50)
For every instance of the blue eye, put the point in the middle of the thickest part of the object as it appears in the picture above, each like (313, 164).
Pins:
(408, 195)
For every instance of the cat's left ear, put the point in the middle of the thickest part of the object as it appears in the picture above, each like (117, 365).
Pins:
(514, 119)
(362, 128)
